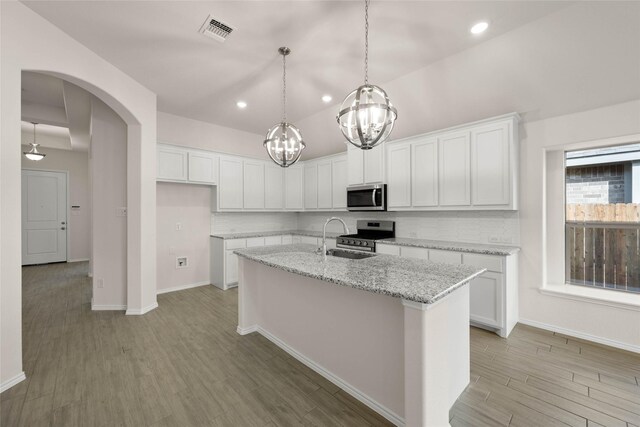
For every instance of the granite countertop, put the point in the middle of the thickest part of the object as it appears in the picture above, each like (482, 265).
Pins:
(250, 234)
(407, 278)
(476, 248)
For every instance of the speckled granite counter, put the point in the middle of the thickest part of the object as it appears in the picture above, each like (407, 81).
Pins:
(410, 279)
(250, 234)
(476, 248)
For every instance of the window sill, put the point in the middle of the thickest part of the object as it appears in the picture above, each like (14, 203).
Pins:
(622, 300)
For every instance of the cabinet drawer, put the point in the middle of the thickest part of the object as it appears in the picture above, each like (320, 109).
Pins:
(446, 257)
(388, 249)
(491, 263)
(272, 240)
(255, 241)
(411, 252)
(235, 244)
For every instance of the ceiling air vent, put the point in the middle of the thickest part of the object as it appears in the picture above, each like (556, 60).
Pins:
(215, 29)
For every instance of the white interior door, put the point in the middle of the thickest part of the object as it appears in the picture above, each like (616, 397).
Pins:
(44, 217)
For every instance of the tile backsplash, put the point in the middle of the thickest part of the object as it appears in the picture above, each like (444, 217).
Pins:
(495, 227)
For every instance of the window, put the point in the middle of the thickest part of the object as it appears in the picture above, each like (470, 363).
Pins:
(602, 218)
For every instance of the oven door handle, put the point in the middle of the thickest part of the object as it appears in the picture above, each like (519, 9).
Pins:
(373, 198)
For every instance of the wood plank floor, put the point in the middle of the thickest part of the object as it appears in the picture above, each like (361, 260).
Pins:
(184, 365)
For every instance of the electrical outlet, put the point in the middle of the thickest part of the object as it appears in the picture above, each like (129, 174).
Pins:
(121, 211)
(494, 239)
(182, 262)
(178, 226)
(413, 234)
(506, 239)
(100, 283)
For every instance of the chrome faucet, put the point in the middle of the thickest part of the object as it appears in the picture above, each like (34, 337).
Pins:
(324, 234)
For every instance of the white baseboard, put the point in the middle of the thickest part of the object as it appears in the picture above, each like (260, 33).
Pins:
(354, 392)
(12, 381)
(138, 312)
(78, 260)
(106, 307)
(581, 335)
(182, 287)
(248, 330)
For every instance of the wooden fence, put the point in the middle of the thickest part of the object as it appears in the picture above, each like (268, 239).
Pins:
(603, 254)
(612, 212)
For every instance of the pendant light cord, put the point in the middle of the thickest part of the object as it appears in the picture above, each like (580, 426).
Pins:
(284, 88)
(366, 42)
(34, 134)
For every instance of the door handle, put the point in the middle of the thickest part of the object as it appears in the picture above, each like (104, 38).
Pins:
(373, 198)
(63, 228)
(63, 223)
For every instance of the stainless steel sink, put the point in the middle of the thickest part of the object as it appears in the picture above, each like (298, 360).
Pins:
(349, 254)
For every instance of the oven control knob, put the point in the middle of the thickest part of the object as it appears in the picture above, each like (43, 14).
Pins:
(352, 242)
(358, 243)
(366, 243)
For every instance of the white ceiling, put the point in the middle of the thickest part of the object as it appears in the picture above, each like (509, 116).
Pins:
(540, 58)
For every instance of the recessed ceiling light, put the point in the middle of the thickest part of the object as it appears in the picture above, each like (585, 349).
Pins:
(241, 104)
(479, 28)
(326, 98)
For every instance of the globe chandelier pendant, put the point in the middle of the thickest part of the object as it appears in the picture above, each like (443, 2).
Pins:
(34, 154)
(284, 142)
(366, 117)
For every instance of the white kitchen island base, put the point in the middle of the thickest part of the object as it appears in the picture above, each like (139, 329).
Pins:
(407, 361)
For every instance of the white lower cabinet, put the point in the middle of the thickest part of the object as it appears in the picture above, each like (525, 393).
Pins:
(493, 295)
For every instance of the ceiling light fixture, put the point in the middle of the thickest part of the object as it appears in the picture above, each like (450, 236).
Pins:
(283, 141)
(34, 154)
(241, 104)
(479, 28)
(326, 98)
(366, 117)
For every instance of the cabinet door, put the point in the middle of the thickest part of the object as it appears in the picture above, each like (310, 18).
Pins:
(485, 293)
(310, 186)
(453, 170)
(424, 173)
(374, 165)
(490, 174)
(273, 187)
(294, 186)
(231, 268)
(399, 176)
(325, 199)
(339, 183)
(172, 164)
(230, 188)
(202, 167)
(355, 160)
(253, 185)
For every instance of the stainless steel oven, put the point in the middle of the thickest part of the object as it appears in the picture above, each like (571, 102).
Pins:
(367, 197)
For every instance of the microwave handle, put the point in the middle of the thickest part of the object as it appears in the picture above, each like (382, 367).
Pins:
(373, 198)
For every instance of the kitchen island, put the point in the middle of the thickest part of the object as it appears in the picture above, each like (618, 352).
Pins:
(392, 332)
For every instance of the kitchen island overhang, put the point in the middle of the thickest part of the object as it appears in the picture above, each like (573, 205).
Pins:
(392, 332)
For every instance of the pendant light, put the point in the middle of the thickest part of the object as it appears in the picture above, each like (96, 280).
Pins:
(34, 154)
(366, 117)
(283, 141)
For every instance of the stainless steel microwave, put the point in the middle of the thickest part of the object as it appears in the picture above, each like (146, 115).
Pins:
(367, 197)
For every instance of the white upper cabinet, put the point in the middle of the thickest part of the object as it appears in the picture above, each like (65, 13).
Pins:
(490, 165)
(339, 182)
(254, 185)
(230, 189)
(294, 188)
(454, 176)
(365, 166)
(399, 176)
(424, 173)
(172, 163)
(203, 167)
(325, 188)
(311, 186)
(273, 187)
